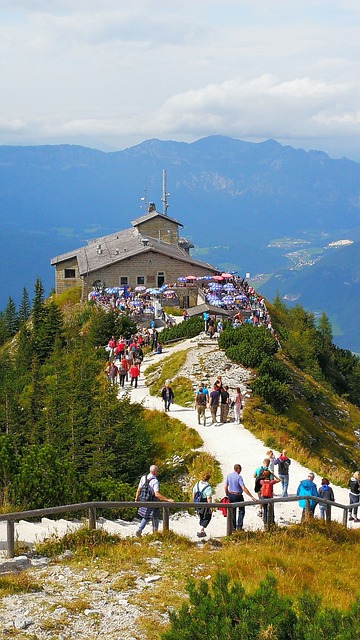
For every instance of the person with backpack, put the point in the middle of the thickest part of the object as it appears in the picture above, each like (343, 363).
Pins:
(283, 464)
(200, 405)
(327, 493)
(202, 492)
(258, 475)
(234, 489)
(267, 491)
(148, 491)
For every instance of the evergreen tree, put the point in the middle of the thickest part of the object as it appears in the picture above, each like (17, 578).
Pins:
(37, 310)
(24, 308)
(11, 318)
(324, 328)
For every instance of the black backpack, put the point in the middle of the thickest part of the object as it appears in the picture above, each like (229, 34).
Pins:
(146, 492)
(283, 467)
(198, 495)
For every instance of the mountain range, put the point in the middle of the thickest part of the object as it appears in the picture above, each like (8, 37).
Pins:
(247, 207)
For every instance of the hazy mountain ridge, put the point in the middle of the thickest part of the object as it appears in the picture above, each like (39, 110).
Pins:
(233, 197)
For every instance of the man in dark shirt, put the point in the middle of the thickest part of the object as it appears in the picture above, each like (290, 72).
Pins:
(224, 406)
(214, 403)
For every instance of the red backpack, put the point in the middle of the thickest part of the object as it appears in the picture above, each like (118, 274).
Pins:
(266, 489)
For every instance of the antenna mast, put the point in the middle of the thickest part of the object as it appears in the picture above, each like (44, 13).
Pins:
(165, 195)
(144, 204)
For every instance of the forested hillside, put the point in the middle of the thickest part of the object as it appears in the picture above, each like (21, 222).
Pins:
(65, 437)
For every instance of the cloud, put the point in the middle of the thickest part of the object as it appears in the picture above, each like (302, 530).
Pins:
(262, 106)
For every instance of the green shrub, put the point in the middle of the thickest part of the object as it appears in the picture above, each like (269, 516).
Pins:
(272, 391)
(228, 613)
(248, 345)
(274, 369)
(186, 329)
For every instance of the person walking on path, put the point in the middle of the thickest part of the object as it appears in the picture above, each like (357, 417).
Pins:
(214, 403)
(283, 464)
(237, 405)
(234, 488)
(354, 495)
(134, 372)
(200, 405)
(267, 491)
(307, 487)
(146, 513)
(327, 493)
(204, 513)
(258, 475)
(224, 405)
(167, 395)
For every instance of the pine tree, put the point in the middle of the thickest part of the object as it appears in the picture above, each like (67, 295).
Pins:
(324, 328)
(24, 308)
(11, 318)
(37, 310)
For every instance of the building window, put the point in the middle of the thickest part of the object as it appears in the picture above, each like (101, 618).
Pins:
(140, 280)
(69, 273)
(123, 280)
(160, 278)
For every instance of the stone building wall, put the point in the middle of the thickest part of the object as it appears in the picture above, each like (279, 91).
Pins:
(63, 275)
(149, 265)
(160, 229)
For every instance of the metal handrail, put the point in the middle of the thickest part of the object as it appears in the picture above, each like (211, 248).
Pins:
(92, 507)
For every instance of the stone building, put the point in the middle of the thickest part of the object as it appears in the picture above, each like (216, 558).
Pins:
(150, 253)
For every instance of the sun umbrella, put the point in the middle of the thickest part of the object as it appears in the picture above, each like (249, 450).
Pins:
(226, 275)
(169, 292)
(215, 286)
(217, 278)
(181, 279)
(228, 300)
(216, 303)
(191, 278)
(229, 287)
(140, 288)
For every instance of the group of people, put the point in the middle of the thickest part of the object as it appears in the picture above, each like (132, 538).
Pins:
(124, 360)
(235, 488)
(219, 401)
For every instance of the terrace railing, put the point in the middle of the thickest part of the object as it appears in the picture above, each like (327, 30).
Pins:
(167, 507)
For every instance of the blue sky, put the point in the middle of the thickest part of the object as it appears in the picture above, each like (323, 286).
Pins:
(110, 74)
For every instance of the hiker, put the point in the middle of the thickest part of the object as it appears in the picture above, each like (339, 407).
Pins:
(272, 458)
(258, 475)
(134, 372)
(224, 405)
(204, 514)
(237, 405)
(167, 395)
(283, 463)
(354, 495)
(146, 513)
(327, 493)
(234, 488)
(307, 487)
(214, 403)
(267, 491)
(200, 405)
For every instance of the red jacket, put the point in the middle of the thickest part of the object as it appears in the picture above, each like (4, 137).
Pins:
(134, 371)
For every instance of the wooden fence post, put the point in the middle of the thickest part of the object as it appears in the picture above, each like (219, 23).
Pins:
(92, 518)
(328, 513)
(345, 518)
(166, 518)
(10, 538)
(270, 516)
(229, 521)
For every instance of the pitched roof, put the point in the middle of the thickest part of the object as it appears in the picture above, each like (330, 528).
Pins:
(154, 214)
(113, 248)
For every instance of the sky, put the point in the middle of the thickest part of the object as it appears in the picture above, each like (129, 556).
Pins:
(109, 74)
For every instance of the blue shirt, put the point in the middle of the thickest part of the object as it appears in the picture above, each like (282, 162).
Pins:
(235, 483)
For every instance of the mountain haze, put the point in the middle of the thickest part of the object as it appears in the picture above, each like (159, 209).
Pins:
(233, 197)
